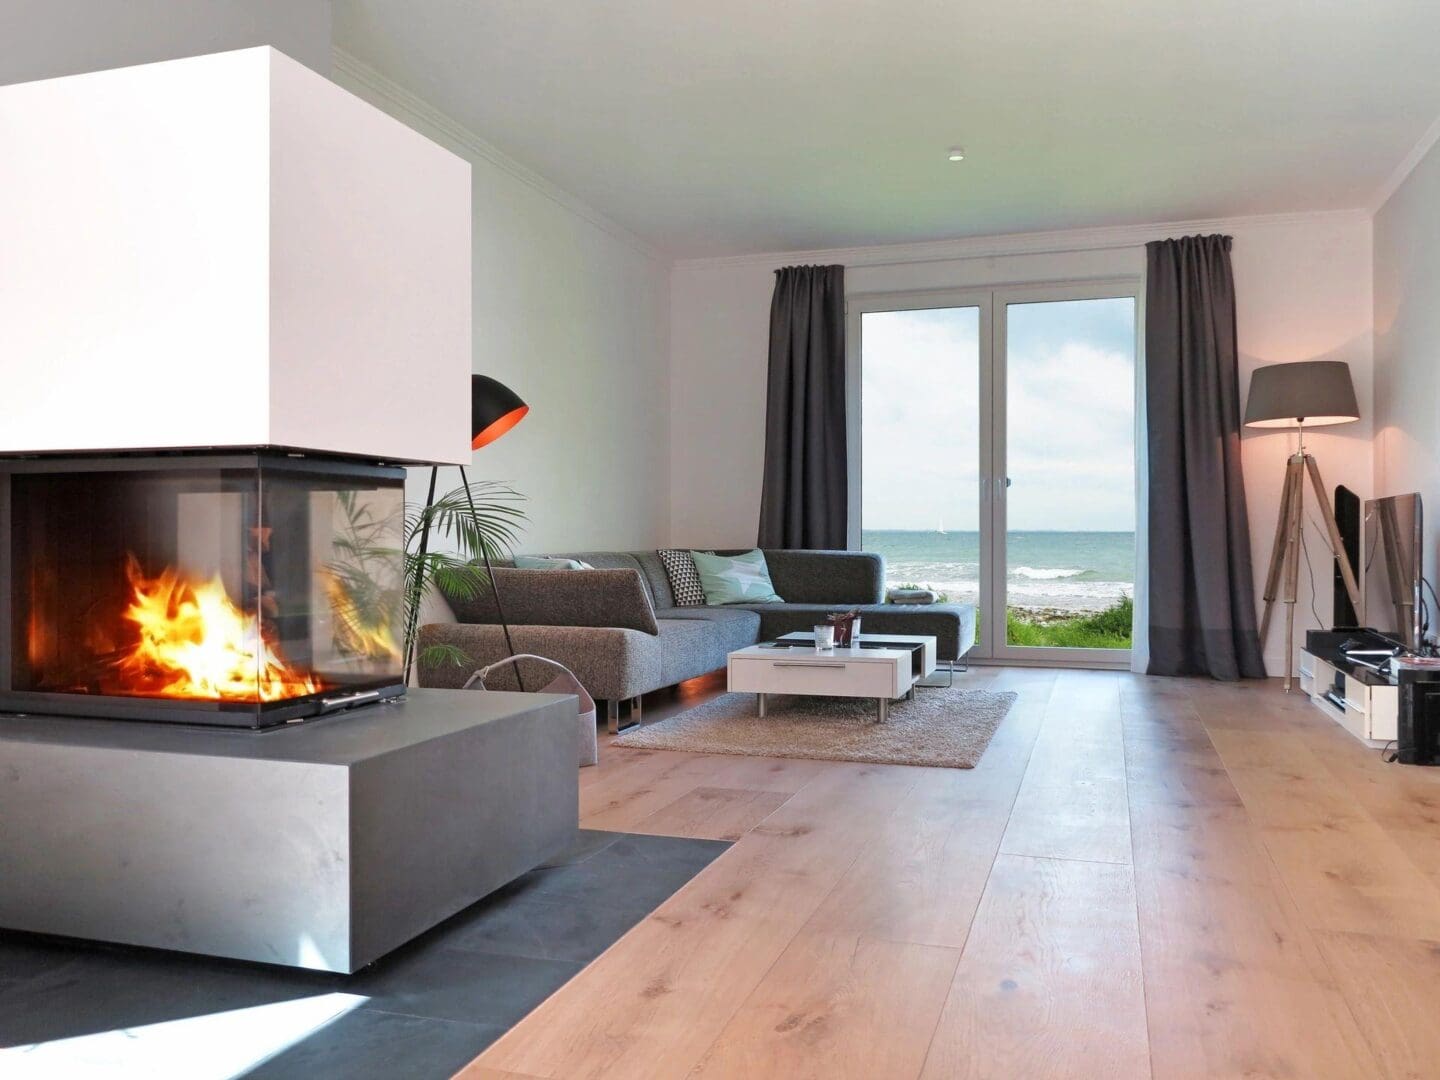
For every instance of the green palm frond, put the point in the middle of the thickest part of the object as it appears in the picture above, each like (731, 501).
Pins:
(485, 521)
(462, 528)
(494, 526)
(434, 656)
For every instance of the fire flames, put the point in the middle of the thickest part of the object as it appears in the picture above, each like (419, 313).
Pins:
(194, 642)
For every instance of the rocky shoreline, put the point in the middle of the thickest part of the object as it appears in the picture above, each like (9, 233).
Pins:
(1047, 616)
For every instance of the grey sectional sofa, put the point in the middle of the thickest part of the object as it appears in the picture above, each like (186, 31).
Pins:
(617, 627)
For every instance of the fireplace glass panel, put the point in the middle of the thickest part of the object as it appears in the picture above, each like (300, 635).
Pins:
(240, 591)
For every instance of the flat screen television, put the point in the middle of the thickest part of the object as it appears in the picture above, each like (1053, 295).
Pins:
(1390, 551)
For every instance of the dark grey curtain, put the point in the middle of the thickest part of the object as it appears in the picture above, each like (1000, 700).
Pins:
(1202, 596)
(803, 501)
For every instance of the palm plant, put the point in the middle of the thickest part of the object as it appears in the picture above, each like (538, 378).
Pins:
(481, 520)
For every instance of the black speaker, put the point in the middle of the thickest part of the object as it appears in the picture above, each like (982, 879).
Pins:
(1418, 722)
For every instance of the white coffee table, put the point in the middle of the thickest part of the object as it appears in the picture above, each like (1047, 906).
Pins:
(923, 645)
(786, 668)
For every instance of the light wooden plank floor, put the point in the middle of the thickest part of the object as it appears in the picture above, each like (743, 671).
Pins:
(1142, 877)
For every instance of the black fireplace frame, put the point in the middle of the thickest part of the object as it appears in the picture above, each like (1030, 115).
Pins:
(239, 715)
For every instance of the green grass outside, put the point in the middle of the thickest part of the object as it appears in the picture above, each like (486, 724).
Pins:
(1108, 629)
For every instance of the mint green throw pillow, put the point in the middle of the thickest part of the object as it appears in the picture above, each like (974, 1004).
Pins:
(735, 579)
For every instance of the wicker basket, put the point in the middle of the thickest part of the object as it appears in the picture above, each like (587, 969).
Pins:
(564, 682)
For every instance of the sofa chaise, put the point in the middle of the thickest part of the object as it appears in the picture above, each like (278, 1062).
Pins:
(619, 629)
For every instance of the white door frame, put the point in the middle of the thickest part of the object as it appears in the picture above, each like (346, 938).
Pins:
(992, 303)
(862, 304)
(1106, 289)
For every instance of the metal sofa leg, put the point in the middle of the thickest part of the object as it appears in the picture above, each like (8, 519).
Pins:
(612, 713)
(959, 664)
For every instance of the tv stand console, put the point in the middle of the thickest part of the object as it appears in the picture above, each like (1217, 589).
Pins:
(1363, 702)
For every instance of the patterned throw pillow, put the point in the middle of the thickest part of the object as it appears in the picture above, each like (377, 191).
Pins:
(684, 578)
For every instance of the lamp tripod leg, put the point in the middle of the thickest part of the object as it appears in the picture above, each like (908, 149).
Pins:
(1278, 548)
(419, 592)
(1292, 570)
(490, 574)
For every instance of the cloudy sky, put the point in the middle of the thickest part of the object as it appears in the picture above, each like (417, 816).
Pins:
(1070, 391)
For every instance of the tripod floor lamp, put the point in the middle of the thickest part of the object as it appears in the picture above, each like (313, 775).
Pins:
(1310, 393)
(494, 410)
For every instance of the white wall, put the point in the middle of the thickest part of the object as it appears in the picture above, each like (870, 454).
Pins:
(1303, 293)
(1296, 299)
(571, 313)
(45, 38)
(569, 310)
(1407, 345)
(263, 264)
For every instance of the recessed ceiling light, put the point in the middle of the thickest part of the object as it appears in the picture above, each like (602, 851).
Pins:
(957, 153)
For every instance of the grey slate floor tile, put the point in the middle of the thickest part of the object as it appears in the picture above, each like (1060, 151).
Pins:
(105, 989)
(444, 983)
(551, 929)
(364, 1043)
(429, 1007)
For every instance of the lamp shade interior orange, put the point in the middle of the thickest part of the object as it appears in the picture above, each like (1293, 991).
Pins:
(494, 410)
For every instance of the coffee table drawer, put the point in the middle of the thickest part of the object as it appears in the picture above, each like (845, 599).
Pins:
(834, 678)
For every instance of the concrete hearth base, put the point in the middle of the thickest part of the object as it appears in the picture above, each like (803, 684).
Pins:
(321, 845)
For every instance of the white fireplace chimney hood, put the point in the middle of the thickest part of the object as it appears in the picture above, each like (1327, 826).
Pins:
(229, 251)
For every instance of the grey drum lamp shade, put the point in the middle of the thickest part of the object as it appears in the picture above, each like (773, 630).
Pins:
(1315, 392)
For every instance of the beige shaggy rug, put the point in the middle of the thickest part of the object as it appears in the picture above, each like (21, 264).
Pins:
(948, 727)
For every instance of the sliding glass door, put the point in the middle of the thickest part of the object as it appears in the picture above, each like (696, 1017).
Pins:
(1065, 518)
(993, 459)
(922, 388)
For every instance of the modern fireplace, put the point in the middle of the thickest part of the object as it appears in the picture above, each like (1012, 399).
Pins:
(241, 589)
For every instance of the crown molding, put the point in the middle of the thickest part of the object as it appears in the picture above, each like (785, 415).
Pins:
(1032, 243)
(1405, 167)
(361, 74)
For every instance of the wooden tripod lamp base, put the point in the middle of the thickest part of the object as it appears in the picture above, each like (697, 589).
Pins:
(1310, 393)
(1284, 571)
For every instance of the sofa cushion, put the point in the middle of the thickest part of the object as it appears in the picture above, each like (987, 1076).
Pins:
(611, 560)
(738, 621)
(548, 562)
(826, 577)
(655, 577)
(615, 598)
(735, 579)
(695, 646)
(611, 664)
(682, 577)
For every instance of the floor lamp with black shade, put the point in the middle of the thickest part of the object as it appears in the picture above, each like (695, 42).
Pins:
(1308, 393)
(494, 410)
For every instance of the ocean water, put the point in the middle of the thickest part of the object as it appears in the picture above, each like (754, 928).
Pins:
(1072, 571)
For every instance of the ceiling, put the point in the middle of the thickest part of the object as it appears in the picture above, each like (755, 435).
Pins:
(713, 128)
